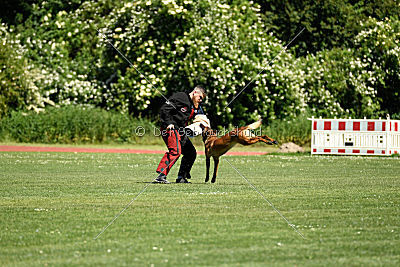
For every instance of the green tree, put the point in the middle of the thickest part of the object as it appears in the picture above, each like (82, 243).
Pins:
(329, 23)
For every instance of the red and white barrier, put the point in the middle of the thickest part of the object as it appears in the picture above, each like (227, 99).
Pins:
(355, 136)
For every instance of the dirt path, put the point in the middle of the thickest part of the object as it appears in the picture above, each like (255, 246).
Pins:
(106, 150)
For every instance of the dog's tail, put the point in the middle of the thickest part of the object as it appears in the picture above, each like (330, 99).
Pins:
(254, 125)
(246, 129)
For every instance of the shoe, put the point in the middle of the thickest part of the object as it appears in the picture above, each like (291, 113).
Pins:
(181, 180)
(161, 179)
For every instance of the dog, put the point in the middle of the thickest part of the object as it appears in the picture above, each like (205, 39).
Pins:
(217, 146)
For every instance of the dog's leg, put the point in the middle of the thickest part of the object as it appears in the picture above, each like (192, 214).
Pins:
(216, 162)
(268, 140)
(255, 139)
(246, 141)
(207, 169)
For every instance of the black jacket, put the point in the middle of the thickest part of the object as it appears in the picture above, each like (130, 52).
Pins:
(178, 110)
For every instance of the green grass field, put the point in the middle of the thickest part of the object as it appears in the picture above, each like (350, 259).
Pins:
(52, 205)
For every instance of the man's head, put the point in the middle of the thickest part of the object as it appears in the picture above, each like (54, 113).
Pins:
(197, 95)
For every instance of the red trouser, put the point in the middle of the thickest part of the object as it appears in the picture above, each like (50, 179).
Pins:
(173, 140)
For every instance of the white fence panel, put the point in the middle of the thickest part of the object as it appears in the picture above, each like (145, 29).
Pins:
(355, 136)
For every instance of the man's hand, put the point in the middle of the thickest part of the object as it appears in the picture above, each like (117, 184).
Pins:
(170, 127)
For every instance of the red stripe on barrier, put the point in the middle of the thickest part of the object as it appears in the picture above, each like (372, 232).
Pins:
(356, 151)
(327, 150)
(342, 126)
(327, 125)
(341, 150)
(383, 152)
(383, 126)
(371, 126)
(370, 151)
(315, 125)
(356, 126)
(396, 127)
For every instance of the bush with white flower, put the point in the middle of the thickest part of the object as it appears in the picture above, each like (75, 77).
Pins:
(378, 53)
(179, 44)
(362, 81)
(20, 79)
(59, 56)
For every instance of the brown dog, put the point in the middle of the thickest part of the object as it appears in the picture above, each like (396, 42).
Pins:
(217, 146)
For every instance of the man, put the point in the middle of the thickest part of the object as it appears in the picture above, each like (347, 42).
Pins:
(175, 114)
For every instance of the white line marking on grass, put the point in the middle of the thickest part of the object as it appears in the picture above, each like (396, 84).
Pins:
(133, 200)
(269, 202)
(130, 203)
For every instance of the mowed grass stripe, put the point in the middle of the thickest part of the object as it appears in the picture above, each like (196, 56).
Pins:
(52, 205)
